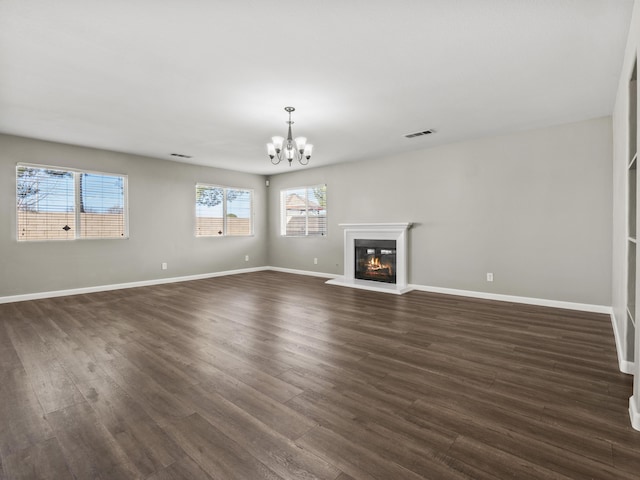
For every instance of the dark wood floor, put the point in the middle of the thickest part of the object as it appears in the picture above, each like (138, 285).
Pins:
(276, 376)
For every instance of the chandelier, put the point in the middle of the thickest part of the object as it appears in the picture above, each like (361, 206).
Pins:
(289, 148)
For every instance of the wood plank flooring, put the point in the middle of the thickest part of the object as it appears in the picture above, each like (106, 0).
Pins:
(276, 376)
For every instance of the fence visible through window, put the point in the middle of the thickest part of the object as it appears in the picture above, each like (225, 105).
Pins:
(304, 211)
(223, 211)
(62, 204)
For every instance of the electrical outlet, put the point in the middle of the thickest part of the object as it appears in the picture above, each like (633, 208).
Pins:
(246, 258)
(489, 277)
(315, 261)
(164, 265)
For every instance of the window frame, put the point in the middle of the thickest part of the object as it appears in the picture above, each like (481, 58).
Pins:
(283, 213)
(225, 229)
(77, 172)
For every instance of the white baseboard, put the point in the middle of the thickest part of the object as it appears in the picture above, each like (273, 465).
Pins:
(625, 366)
(584, 307)
(302, 272)
(119, 286)
(449, 291)
(634, 415)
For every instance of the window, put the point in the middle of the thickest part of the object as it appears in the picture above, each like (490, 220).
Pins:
(223, 211)
(304, 211)
(62, 204)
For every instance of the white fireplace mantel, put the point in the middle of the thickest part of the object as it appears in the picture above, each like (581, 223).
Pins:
(375, 231)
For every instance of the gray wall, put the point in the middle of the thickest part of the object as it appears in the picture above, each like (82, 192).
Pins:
(161, 224)
(534, 208)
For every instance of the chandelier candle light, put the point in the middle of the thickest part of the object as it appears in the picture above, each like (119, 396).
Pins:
(289, 149)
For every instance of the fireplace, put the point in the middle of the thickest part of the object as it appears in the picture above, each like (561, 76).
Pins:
(375, 260)
(375, 257)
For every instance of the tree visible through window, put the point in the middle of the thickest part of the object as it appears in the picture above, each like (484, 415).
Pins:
(223, 211)
(304, 211)
(57, 204)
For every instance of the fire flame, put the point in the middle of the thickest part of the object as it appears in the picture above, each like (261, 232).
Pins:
(375, 264)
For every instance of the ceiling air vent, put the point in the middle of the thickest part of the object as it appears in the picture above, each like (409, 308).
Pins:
(180, 155)
(419, 134)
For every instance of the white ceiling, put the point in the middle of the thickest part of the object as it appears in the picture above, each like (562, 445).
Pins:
(211, 78)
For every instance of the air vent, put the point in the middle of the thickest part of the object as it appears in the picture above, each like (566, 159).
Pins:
(180, 155)
(419, 134)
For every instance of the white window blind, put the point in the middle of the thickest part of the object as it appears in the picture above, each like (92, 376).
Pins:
(304, 211)
(101, 205)
(62, 204)
(222, 211)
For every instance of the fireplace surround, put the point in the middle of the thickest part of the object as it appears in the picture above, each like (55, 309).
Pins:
(387, 271)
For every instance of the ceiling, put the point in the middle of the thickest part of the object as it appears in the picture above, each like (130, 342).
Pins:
(211, 78)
